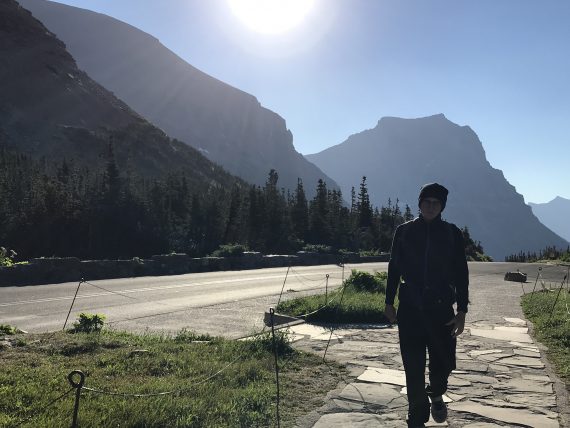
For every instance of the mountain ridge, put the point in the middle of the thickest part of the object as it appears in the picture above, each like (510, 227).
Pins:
(227, 124)
(49, 108)
(399, 155)
(554, 214)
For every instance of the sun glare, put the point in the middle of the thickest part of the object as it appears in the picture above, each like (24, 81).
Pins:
(271, 16)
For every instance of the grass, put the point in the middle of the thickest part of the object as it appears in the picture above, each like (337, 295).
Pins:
(553, 332)
(361, 302)
(35, 368)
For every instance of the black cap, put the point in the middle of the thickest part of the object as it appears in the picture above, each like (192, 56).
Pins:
(433, 190)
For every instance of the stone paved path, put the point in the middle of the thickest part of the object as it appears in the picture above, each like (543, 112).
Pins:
(499, 381)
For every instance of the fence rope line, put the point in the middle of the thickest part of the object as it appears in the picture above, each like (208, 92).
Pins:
(312, 285)
(303, 276)
(110, 291)
(283, 287)
(42, 409)
(156, 394)
(325, 305)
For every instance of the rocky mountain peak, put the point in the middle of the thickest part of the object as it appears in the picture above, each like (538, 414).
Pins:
(399, 155)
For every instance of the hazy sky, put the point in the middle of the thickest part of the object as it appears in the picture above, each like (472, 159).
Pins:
(500, 66)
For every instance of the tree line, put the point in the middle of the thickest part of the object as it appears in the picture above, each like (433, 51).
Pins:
(547, 253)
(62, 209)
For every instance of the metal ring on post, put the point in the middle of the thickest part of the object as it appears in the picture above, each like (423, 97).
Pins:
(77, 386)
(72, 381)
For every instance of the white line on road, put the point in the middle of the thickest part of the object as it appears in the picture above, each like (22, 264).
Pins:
(137, 290)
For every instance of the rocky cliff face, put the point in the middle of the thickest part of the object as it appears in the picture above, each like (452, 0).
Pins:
(555, 215)
(48, 107)
(228, 125)
(399, 155)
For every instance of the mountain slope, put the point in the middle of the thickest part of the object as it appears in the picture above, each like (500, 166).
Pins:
(48, 107)
(399, 155)
(228, 125)
(555, 215)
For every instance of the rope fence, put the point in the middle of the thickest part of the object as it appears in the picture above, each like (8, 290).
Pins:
(76, 378)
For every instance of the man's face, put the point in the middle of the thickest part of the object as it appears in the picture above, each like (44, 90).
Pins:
(430, 208)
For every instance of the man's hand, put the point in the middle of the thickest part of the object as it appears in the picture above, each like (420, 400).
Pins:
(390, 313)
(457, 324)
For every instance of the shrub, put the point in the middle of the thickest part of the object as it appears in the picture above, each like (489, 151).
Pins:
(230, 250)
(88, 323)
(319, 248)
(7, 257)
(8, 330)
(364, 281)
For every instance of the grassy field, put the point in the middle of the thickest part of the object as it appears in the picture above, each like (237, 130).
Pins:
(361, 301)
(554, 332)
(216, 382)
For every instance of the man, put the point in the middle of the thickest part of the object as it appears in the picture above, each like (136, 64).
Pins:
(428, 256)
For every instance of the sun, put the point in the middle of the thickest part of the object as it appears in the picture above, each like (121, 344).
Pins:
(271, 16)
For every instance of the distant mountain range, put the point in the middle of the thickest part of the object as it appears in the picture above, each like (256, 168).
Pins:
(49, 108)
(399, 155)
(226, 124)
(555, 215)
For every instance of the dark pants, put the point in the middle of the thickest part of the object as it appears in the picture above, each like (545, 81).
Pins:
(421, 329)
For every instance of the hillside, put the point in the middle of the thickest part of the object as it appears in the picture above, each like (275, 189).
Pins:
(49, 108)
(226, 124)
(399, 155)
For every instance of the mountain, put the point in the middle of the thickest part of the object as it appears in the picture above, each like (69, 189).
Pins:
(49, 108)
(226, 124)
(399, 155)
(555, 215)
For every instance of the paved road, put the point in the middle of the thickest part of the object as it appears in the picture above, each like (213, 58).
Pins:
(219, 303)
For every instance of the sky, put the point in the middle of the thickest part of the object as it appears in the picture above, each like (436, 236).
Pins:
(501, 67)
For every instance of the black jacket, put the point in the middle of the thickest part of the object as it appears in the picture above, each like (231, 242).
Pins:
(430, 259)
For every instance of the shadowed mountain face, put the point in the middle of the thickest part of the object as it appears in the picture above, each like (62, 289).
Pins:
(48, 107)
(229, 126)
(399, 155)
(555, 215)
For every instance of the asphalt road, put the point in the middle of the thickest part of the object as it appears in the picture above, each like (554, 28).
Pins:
(225, 303)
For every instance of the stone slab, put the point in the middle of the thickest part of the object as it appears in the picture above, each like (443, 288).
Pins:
(372, 393)
(312, 331)
(515, 320)
(515, 416)
(525, 385)
(485, 352)
(356, 420)
(527, 353)
(379, 375)
(512, 329)
(501, 335)
(522, 362)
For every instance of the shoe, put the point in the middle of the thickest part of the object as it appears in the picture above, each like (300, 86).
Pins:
(438, 411)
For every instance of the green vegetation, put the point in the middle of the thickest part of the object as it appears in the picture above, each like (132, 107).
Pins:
(64, 209)
(88, 323)
(553, 331)
(217, 382)
(230, 250)
(361, 300)
(7, 329)
(7, 257)
(548, 254)
(473, 249)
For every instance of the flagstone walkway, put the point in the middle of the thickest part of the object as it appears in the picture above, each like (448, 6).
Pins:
(500, 379)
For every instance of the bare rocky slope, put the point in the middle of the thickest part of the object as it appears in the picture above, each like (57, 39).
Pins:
(228, 125)
(49, 108)
(399, 155)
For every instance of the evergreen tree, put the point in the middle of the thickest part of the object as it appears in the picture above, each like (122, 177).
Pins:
(319, 228)
(300, 212)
